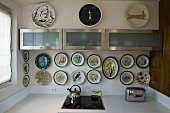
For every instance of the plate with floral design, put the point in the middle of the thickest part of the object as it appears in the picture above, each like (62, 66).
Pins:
(94, 76)
(77, 59)
(94, 61)
(142, 61)
(25, 55)
(43, 77)
(26, 80)
(25, 68)
(143, 77)
(78, 77)
(127, 61)
(61, 60)
(43, 61)
(60, 77)
(127, 78)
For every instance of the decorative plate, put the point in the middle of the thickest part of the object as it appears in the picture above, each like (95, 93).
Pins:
(25, 68)
(110, 67)
(94, 76)
(43, 15)
(78, 77)
(94, 61)
(142, 61)
(25, 56)
(26, 80)
(43, 61)
(77, 59)
(137, 15)
(127, 61)
(61, 60)
(127, 78)
(143, 77)
(60, 77)
(90, 15)
(43, 77)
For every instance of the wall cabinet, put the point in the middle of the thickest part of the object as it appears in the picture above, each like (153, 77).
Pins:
(83, 39)
(132, 40)
(35, 39)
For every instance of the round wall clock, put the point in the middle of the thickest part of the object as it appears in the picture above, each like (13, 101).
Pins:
(90, 15)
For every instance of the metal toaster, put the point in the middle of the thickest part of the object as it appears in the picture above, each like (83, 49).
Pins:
(135, 94)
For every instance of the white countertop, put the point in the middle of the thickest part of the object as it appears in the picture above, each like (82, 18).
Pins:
(52, 103)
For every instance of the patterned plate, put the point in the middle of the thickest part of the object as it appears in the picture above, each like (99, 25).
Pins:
(110, 67)
(77, 59)
(127, 78)
(43, 15)
(142, 61)
(25, 68)
(94, 76)
(25, 56)
(94, 61)
(26, 80)
(143, 77)
(127, 61)
(61, 60)
(60, 77)
(78, 77)
(43, 61)
(43, 77)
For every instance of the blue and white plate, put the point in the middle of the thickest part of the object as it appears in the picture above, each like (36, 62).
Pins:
(78, 77)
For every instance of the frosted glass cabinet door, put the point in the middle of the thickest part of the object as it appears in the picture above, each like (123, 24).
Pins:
(40, 39)
(133, 40)
(83, 39)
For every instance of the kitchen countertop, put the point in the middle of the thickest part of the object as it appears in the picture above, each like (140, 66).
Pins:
(52, 103)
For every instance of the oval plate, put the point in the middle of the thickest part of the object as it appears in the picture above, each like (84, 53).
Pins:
(26, 80)
(127, 78)
(25, 68)
(61, 60)
(142, 61)
(43, 77)
(43, 15)
(25, 56)
(127, 61)
(77, 59)
(94, 76)
(110, 67)
(94, 61)
(137, 15)
(43, 61)
(78, 77)
(143, 77)
(60, 77)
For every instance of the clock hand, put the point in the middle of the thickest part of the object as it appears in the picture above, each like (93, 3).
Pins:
(90, 18)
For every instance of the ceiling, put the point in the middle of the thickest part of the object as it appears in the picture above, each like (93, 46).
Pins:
(29, 2)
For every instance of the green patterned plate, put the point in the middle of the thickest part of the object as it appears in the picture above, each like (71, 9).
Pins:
(43, 61)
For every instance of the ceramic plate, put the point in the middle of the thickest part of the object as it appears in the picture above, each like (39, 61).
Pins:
(127, 78)
(25, 56)
(26, 80)
(43, 15)
(110, 67)
(127, 61)
(77, 59)
(94, 61)
(142, 61)
(25, 68)
(61, 60)
(43, 61)
(137, 15)
(60, 77)
(143, 77)
(78, 77)
(43, 77)
(94, 76)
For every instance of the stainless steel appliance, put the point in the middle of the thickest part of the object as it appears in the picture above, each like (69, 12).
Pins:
(135, 94)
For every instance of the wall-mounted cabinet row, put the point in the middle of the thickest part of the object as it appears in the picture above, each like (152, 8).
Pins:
(89, 39)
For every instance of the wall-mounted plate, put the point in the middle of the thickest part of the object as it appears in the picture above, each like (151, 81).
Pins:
(60, 77)
(25, 68)
(142, 61)
(127, 78)
(90, 15)
(25, 55)
(137, 15)
(78, 77)
(43, 77)
(43, 61)
(94, 76)
(127, 61)
(61, 60)
(94, 61)
(110, 67)
(43, 15)
(143, 77)
(77, 59)
(26, 80)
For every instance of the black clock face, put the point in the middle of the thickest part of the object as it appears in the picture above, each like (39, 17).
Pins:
(90, 15)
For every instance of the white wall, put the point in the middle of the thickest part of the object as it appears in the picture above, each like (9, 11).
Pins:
(113, 14)
(9, 91)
